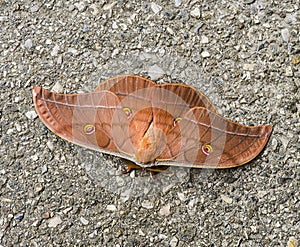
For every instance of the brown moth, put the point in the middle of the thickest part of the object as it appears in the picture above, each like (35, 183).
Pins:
(150, 125)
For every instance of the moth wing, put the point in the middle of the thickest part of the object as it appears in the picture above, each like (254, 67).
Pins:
(83, 119)
(207, 140)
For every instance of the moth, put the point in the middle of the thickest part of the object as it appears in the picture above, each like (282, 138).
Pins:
(150, 125)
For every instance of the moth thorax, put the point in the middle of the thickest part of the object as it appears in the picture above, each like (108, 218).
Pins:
(151, 145)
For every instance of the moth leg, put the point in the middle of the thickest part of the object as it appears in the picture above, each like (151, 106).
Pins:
(154, 178)
(130, 166)
(155, 170)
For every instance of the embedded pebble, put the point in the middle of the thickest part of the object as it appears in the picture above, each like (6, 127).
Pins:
(147, 204)
(73, 51)
(249, 67)
(181, 196)
(84, 221)
(196, 13)
(50, 145)
(132, 174)
(155, 72)
(17, 99)
(44, 169)
(165, 210)
(19, 217)
(38, 188)
(55, 51)
(80, 6)
(95, 9)
(289, 71)
(54, 222)
(28, 44)
(205, 54)
(262, 194)
(226, 199)
(296, 59)
(111, 207)
(285, 34)
(204, 40)
(292, 242)
(31, 115)
(177, 3)
(58, 88)
(174, 241)
(34, 157)
(155, 7)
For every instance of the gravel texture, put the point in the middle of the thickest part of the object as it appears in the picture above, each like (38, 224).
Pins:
(245, 55)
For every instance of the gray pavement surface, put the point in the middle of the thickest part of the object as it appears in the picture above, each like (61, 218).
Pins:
(245, 55)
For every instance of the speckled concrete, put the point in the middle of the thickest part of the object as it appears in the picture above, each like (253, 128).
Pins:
(243, 54)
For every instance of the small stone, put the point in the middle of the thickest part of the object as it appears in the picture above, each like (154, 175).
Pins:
(226, 199)
(249, 66)
(177, 3)
(111, 207)
(204, 40)
(95, 10)
(291, 18)
(198, 27)
(167, 188)
(181, 196)
(54, 51)
(205, 54)
(118, 233)
(59, 59)
(48, 42)
(54, 222)
(114, 25)
(115, 52)
(46, 215)
(36, 223)
(10, 131)
(174, 242)
(18, 127)
(123, 26)
(50, 145)
(289, 71)
(155, 72)
(34, 157)
(19, 217)
(165, 210)
(80, 6)
(31, 115)
(3, 18)
(67, 210)
(38, 188)
(34, 8)
(196, 13)
(293, 242)
(296, 59)
(170, 31)
(285, 34)
(109, 6)
(73, 51)
(44, 169)
(58, 88)
(147, 204)
(141, 233)
(249, 1)
(71, 7)
(84, 221)
(262, 193)
(155, 8)
(28, 44)
(17, 99)
(132, 174)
